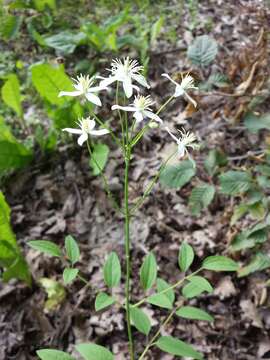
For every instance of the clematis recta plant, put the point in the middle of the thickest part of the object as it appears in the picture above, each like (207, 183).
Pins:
(134, 121)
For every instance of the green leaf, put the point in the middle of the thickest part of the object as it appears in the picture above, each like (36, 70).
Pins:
(46, 247)
(65, 41)
(191, 312)
(201, 196)
(160, 300)
(156, 29)
(112, 270)
(196, 286)
(202, 51)
(235, 182)
(215, 80)
(69, 275)
(238, 212)
(148, 272)
(11, 94)
(103, 300)
(163, 285)
(72, 249)
(254, 123)
(50, 354)
(10, 256)
(219, 263)
(140, 320)
(99, 158)
(185, 257)
(49, 81)
(94, 352)
(177, 176)
(10, 26)
(258, 263)
(177, 347)
(214, 160)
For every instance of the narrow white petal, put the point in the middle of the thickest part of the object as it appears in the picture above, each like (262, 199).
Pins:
(95, 89)
(99, 132)
(90, 124)
(73, 131)
(70, 93)
(128, 88)
(138, 116)
(152, 116)
(107, 81)
(168, 77)
(191, 100)
(82, 138)
(173, 136)
(181, 149)
(141, 80)
(125, 108)
(93, 99)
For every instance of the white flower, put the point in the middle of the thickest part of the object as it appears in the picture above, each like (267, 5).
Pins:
(86, 128)
(181, 89)
(82, 84)
(125, 71)
(185, 140)
(141, 108)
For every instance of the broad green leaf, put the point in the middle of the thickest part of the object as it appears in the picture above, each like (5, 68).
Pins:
(112, 270)
(46, 247)
(214, 160)
(160, 300)
(40, 5)
(235, 182)
(254, 123)
(163, 285)
(10, 256)
(177, 347)
(219, 263)
(69, 275)
(258, 263)
(50, 354)
(140, 320)
(156, 29)
(196, 286)
(177, 176)
(238, 212)
(103, 300)
(215, 80)
(201, 196)
(10, 26)
(55, 291)
(202, 51)
(72, 249)
(185, 257)
(99, 158)
(191, 312)
(94, 352)
(49, 81)
(11, 94)
(65, 41)
(148, 272)
(263, 169)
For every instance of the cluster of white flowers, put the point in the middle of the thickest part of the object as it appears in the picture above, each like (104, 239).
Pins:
(126, 72)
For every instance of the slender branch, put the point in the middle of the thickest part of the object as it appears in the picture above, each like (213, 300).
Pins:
(164, 105)
(105, 181)
(180, 282)
(151, 185)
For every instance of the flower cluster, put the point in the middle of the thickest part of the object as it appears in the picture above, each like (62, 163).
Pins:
(127, 72)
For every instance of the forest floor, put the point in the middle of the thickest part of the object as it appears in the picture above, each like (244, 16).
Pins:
(57, 196)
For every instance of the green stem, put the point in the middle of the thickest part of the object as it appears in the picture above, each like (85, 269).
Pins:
(180, 282)
(105, 181)
(164, 105)
(151, 185)
(127, 254)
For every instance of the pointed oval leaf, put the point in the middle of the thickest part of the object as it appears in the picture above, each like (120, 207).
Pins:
(177, 176)
(203, 50)
(140, 320)
(94, 352)
(11, 94)
(46, 247)
(72, 249)
(112, 270)
(191, 312)
(235, 182)
(69, 275)
(148, 272)
(186, 256)
(162, 285)
(220, 263)
(160, 300)
(103, 301)
(196, 286)
(177, 347)
(49, 354)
